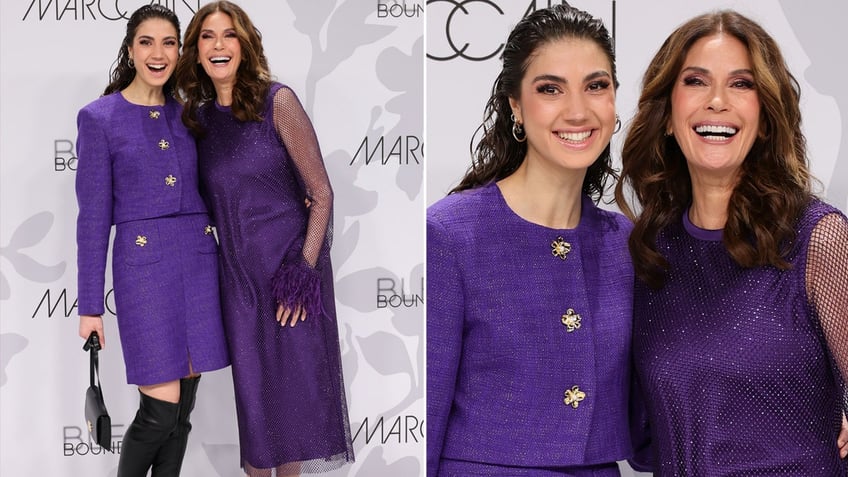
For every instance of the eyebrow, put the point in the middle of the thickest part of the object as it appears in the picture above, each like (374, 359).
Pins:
(560, 79)
(704, 71)
(148, 37)
(210, 30)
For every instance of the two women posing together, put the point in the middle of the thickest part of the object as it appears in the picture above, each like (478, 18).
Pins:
(703, 333)
(238, 160)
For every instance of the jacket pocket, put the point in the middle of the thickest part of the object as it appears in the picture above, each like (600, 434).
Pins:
(138, 243)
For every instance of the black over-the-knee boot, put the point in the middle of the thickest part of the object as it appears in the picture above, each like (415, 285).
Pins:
(169, 459)
(153, 424)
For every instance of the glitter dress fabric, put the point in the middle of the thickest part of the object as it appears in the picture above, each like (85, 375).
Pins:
(290, 396)
(138, 170)
(528, 340)
(743, 370)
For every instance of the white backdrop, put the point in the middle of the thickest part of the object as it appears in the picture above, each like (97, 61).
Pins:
(811, 35)
(464, 40)
(357, 67)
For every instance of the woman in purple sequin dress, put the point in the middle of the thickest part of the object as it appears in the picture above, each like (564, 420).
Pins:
(529, 281)
(138, 171)
(741, 308)
(264, 179)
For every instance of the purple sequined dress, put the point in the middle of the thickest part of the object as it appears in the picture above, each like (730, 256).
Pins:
(290, 396)
(740, 367)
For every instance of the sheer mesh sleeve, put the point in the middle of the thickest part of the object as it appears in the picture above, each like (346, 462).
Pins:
(295, 129)
(297, 282)
(827, 285)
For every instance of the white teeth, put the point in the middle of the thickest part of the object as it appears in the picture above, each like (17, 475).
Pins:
(709, 129)
(576, 136)
(156, 67)
(219, 59)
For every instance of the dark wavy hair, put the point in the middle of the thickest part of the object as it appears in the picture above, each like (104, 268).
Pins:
(122, 73)
(253, 79)
(774, 184)
(498, 154)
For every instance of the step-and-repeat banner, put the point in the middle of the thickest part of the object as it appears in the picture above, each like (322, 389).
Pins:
(465, 39)
(357, 66)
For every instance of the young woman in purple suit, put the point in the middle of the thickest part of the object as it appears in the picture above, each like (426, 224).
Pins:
(138, 172)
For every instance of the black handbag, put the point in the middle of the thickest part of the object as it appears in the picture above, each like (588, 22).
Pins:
(96, 416)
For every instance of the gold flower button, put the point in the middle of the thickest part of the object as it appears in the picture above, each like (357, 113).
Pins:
(154, 114)
(163, 144)
(560, 248)
(574, 396)
(170, 180)
(207, 230)
(571, 320)
(141, 240)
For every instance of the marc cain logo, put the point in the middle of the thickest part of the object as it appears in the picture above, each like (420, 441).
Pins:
(406, 429)
(458, 18)
(113, 10)
(63, 304)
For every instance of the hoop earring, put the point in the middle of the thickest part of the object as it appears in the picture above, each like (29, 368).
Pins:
(617, 124)
(131, 63)
(517, 130)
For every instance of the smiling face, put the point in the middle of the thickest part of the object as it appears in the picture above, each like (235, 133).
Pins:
(566, 104)
(218, 49)
(154, 51)
(715, 108)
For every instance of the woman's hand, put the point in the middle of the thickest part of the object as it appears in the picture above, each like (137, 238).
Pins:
(89, 323)
(292, 316)
(842, 441)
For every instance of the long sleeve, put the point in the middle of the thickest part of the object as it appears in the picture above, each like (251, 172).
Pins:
(94, 196)
(445, 318)
(297, 282)
(827, 287)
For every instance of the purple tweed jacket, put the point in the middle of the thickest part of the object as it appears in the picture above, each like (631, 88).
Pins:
(135, 162)
(528, 336)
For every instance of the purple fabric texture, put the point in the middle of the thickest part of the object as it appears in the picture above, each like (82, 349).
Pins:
(738, 376)
(298, 284)
(501, 361)
(290, 396)
(138, 170)
(459, 468)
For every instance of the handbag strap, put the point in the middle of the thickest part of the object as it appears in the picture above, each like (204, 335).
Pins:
(93, 346)
(95, 366)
